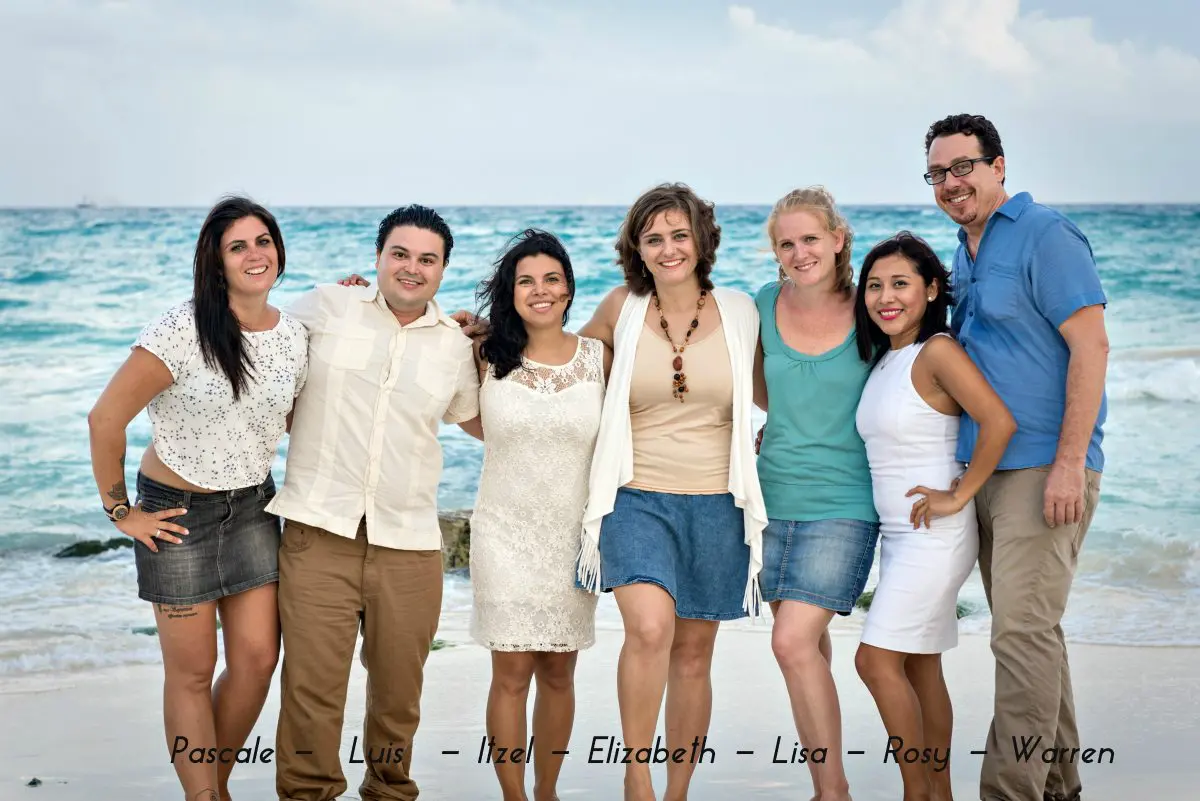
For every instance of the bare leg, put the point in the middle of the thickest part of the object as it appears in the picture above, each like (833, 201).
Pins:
(689, 699)
(511, 675)
(648, 613)
(553, 716)
(250, 628)
(796, 639)
(188, 637)
(937, 713)
(883, 673)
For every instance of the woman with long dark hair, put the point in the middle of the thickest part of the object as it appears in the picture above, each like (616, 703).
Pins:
(920, 382)
(218, 374)
(540, 396)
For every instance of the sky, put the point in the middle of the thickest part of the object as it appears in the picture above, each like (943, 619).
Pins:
(483, 102)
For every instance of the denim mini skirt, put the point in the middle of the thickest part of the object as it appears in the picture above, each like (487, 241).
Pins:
(820, 562)
(232, 545)
(693, 546)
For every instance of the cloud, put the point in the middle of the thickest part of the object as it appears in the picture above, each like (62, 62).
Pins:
(986, 50)
(481, 101)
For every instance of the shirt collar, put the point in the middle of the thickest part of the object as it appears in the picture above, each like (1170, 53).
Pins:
(1012, 208)
(434, 315)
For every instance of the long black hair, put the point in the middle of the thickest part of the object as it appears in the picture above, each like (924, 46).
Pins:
(219, 332)
(872, 342)
(507, 336)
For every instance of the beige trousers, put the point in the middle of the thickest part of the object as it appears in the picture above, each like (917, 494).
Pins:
(330, 587)
(1027, 569)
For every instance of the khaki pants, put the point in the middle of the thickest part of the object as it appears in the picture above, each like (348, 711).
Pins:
(1027, 569)
(329, 588)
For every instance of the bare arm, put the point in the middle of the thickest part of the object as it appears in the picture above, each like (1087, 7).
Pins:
(603, 324)
(760, 377)
(955, 374)
(474, 426)
(134, 385)
(1087, 339)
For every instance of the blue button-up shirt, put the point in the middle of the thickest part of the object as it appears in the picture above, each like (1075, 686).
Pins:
(1033, 270)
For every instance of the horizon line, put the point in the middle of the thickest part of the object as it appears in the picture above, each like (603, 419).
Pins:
(459, 205)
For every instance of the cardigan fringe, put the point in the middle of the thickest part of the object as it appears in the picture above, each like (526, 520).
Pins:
(612, 462)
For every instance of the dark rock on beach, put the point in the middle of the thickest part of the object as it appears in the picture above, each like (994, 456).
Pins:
(93, 547)
(456, 542)
(864, 602)
(456, 538)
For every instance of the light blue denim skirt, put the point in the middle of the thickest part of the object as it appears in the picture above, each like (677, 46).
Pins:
(693, 546)
(821, 562)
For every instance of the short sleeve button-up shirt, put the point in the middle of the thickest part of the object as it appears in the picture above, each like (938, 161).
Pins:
(1034, 269)
(364, 431)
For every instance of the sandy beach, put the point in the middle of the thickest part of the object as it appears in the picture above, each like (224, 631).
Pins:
(98, 735)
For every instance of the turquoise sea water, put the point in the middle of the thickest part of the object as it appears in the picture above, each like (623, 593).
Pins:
(77, 285)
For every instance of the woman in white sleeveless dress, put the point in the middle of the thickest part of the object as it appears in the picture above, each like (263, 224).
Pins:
(908, 416)
(541, 394)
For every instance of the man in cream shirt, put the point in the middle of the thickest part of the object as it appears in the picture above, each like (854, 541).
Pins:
(361, 546)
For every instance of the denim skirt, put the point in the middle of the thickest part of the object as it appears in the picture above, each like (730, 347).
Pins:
(693, 546)
(232, 545)
(821, 562)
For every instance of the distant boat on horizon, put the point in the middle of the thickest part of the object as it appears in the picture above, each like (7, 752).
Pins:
(86, 203)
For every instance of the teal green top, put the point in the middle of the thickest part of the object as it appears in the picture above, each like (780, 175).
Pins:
(812, 464)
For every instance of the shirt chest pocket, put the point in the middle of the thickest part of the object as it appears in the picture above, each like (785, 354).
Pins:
(436, 375)
(1003, 291)
(350, 347)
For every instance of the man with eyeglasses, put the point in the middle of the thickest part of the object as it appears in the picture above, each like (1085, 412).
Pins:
(1030, 313)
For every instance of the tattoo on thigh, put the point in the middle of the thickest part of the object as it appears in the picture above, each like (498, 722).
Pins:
(173, 612)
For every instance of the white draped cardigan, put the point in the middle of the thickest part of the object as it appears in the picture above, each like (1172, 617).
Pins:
(612, 460)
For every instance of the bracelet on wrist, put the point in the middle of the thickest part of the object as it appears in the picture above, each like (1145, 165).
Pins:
(118, 512)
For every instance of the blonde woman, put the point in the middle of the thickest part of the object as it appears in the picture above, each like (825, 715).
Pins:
(816, 482)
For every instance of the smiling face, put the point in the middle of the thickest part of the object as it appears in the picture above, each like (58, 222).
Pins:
(806, 249)
(968, 200)
(896, 296)
(249, 257)
(668, 247)
(410, 268)
(540, 292)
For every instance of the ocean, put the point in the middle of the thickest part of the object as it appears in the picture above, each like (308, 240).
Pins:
(76, 286)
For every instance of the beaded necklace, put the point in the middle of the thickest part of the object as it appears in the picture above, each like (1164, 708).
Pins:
(679, 381)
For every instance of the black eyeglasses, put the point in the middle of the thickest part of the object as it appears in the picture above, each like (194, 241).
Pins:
(958, 169)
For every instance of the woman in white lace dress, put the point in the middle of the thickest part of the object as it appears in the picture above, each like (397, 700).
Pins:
(541, 393)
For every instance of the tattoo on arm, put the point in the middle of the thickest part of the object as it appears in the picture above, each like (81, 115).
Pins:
(118, 491)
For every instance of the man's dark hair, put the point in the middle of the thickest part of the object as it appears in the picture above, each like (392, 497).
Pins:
(970, 125)
(418, 217)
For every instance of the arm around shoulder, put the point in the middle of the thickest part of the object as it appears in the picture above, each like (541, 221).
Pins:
(959, 377)
(308, 308)
(603, 324)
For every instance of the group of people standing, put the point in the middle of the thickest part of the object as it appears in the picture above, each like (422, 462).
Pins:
(949, 417)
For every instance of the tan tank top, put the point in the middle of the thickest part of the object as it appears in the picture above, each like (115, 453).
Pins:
(681, 447)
